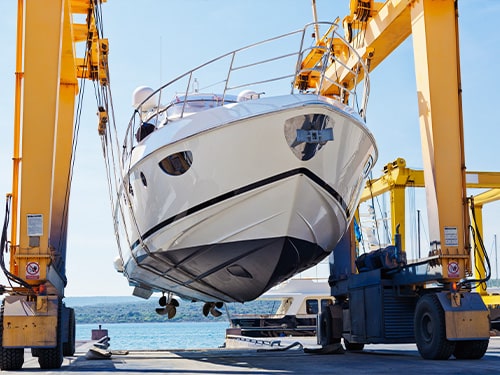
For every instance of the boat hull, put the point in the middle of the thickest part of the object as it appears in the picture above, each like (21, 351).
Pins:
(253, 207)
(230, 271)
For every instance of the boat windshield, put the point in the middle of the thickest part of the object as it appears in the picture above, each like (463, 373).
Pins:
(196, 103)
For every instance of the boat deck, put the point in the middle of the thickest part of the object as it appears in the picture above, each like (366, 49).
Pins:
(375, 359)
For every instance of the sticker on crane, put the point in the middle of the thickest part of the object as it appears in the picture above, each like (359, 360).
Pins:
(451, 236)
(32, 271)
(453, 269)
(35, 225)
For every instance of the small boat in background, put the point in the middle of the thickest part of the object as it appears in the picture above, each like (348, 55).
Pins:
(225, 192)
(297, 303)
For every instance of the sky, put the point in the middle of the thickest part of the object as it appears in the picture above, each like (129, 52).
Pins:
(153, 41)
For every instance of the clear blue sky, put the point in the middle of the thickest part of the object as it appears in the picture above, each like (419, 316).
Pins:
(193, 31)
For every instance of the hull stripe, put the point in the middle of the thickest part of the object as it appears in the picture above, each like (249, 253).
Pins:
(255, 185)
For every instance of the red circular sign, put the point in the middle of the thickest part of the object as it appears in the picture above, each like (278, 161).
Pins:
(453, 269)
(32, 268)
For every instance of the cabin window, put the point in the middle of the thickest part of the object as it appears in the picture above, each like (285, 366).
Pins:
(177, 164)
(311, 306)
(182, 106)
(143, 179)
(144, 130)
(368, 166)
(284, 306)
(190, 107)
(325, 303)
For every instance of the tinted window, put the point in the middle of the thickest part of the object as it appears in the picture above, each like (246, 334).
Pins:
(177, 164)
(312, 306)
(325, 303)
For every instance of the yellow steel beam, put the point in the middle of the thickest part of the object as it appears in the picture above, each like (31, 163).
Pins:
(395, 180)
(398, 210)
(483, 180)
(437, 68)
(396, 173)
(46, 75)
(480, 267)
(386, 29)
(42, 62)
(491, 299)
(487, 197)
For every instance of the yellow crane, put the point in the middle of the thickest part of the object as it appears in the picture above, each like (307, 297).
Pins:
(384, 299)
(406, 306)
(47, 69)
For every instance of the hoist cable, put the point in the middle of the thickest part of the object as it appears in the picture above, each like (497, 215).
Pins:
(4, 248)
(480, 254)
(76, 130)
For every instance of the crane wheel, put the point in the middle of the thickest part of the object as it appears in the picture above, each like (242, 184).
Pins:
(470, 349)
(69, 346)
(52, 358)
(430, 329)
(325, 328)
(353, 346)
(10, 358)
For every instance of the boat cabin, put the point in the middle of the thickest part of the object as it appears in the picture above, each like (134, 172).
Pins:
(298, 301)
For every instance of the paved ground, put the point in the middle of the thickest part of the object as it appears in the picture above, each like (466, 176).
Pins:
(375, 359)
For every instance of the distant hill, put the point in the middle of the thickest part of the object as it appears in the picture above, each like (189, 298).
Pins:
(104, 310)
(86, 301)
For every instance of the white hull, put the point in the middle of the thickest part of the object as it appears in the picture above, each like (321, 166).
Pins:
(248, 213)
(222, 196)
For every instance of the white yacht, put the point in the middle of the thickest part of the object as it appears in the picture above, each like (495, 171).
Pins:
(296, 302)
(228, 190)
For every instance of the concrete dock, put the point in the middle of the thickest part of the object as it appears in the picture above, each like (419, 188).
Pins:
(374, 359)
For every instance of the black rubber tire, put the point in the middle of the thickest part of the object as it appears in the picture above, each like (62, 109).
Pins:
(470, 349)
(353, 347)
(325, 327)
(69, 346)
(430, 329)
(10, 359)
(52, 358)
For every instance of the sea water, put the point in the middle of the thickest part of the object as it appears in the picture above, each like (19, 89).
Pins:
(165, 335)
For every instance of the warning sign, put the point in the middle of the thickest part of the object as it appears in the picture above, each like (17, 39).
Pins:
(35, 225)
(451, 236)
(32, 271)
(453, 269)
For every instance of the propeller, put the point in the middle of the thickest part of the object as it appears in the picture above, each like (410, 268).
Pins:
(168, 306)
(161, 310)
(211, 307)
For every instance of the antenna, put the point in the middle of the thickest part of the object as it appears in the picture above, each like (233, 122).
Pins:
(161, 61)
(315, 20)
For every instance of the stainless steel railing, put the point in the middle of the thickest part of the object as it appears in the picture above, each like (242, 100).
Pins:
(278, 74)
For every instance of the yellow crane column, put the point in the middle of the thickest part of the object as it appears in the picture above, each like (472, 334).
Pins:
(435, 41)
(48, 106)
(47, 124)
(33, 315)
